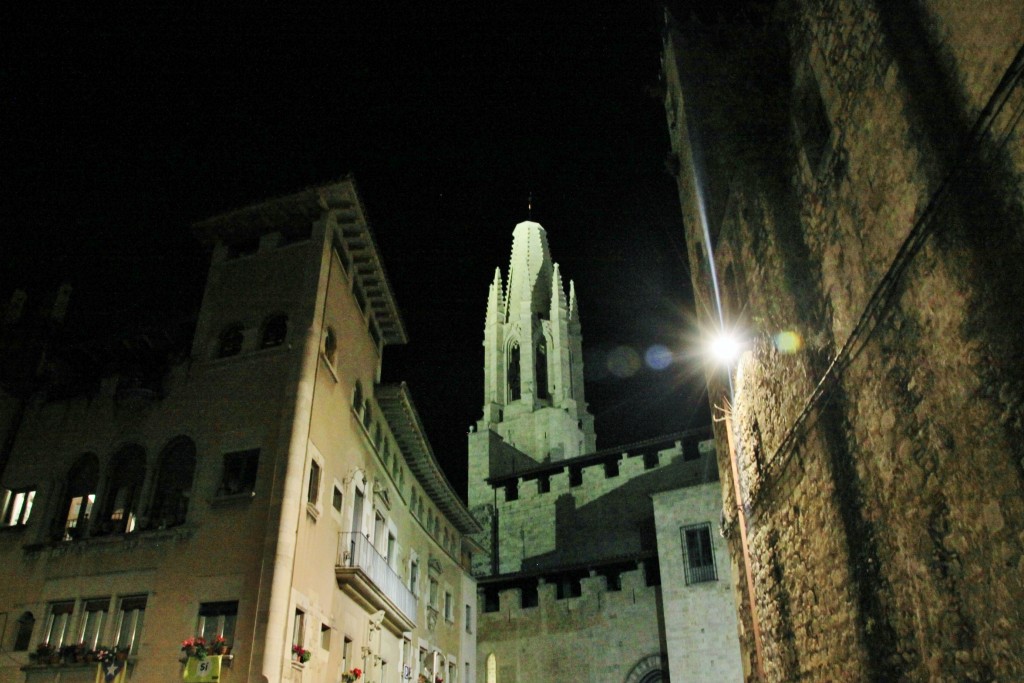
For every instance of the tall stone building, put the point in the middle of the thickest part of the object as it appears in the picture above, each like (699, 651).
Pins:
(246, 477)
(604, 565)
(851, 176)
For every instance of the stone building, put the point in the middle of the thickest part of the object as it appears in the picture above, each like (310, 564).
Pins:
(246, 477)
(604, 565)
(851, 175)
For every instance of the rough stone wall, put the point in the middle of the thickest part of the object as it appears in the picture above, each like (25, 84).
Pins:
(600, 636)
(886, 530)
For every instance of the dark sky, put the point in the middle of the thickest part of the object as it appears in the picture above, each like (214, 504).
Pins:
(121, 129)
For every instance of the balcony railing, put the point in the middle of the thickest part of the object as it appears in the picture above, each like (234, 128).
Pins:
(364, 571)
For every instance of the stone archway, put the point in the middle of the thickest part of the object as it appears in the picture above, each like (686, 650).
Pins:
(649, 669)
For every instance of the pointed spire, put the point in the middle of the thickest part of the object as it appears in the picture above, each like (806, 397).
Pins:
(557, 292)
(574, 310)
(495, 299)
(529, 273)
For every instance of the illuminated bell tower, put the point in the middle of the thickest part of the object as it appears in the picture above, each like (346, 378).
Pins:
(533, 369)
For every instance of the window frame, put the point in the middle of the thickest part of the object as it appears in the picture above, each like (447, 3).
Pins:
(249, 472)
(136, 616)
(226, 614)
(707, 570)
(19, 499)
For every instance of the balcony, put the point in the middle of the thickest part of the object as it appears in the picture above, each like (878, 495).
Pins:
(365, 575)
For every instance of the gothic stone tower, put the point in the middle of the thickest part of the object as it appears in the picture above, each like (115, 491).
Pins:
(534, 410)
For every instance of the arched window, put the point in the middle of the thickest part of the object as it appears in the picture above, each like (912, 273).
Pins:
(542, 369)
(26, 622)
(230, 342)
(125, 473)
(331, 347)
(173, 489)
(275, 329)
(79, 497)
(514, 389)
(492, 668)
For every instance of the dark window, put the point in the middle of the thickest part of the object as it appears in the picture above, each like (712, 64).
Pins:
(367, 414)
(275, 329)
(357, 397)
(611, 469)
(15, 506)
(239, 474)
(568, 587)
(313, 492)
(173, 484)
(491, 601)
(543, 392)
(529, 595)
(336, 500)
(652, 572)
(125, 473)
(230, 342)
(544, 485)
(331, 347)
(26, 623)
(512, 490)
(575, 476)
(698, 553)
(514, 380)
(375, 334)
(217, 619)
(76, 508)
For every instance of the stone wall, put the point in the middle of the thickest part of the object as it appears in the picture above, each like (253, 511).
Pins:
(879, 440)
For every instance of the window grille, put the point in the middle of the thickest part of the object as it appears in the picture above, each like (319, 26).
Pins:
(698, 553)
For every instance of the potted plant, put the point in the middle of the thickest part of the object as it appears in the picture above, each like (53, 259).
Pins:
(220, 645)
(351, 676)
(43, 653)
(102, 654)
(301, 654)
(71, 653)
(195, 647)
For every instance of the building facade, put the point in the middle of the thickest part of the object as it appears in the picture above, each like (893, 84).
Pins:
(574, 585)
(851, 177)
(263, 487)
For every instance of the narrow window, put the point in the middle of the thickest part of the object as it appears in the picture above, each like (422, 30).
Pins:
(325, 637)
(175, 473)
(130, 615)
(26, 624)
(239, 474)
(414, 576)
(432, 596)
(299, 628)
(512, 491)
(449, 609)
(16, 506)
(218, 619)
(575, 476)
(528, 595)
(390, 557)
(543, 392)
(492, 669)
(313, 491)
(336, 499)
(367, 414)
(331, 347)
(230, 342)
(699, 557)
(275, 329)
(514, 379)
(346, 653)
(543, 484)
(79, 498)
(57, 623)
(357, 397)
(93, 617)
(469, 619)
(126, 471)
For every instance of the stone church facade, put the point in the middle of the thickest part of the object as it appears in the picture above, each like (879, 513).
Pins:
(603, 565)
(851, 175)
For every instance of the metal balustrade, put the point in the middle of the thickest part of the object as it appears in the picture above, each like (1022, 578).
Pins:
(355, 551)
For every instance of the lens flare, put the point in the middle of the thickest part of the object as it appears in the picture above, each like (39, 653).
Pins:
(788, 341)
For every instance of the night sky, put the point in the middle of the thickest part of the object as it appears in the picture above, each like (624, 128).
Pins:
(119, 130)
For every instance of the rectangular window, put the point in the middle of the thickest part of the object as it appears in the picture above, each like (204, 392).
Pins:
(130, 616)
(336, 500)
(390, 556)
(239, 475)
(325, 637)
(93, 616)
(469, 619)
(218, 619)
(512, 491)
(611, 469)
(414, 577)
(433, 593)
(449, 610)
(575, 476)
(346, 654)
(299, 628)
(698, 553)
(57, 622)
(313, 492)
(15, 506)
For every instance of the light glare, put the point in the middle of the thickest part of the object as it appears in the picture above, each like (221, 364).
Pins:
(725, 348)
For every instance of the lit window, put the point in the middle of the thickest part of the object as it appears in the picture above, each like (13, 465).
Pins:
(230, 342)
(217, 619)
(16, 506)
(275, 329)
(79, 498)
(698, 553)
(239, 474)
(124, 486)
(129, 623)
(57, 623)
(313, 492)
